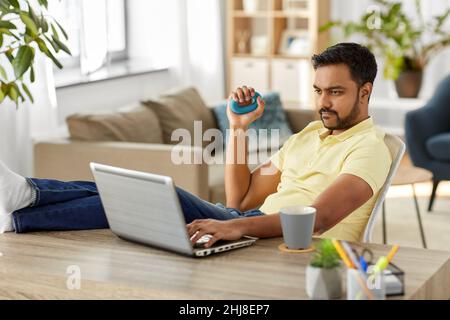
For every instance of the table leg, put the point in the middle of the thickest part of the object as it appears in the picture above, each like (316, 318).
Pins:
(419, 219)
(384, 222)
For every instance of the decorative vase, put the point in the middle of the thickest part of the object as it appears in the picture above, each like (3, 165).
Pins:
(408, 84)
(324, 284)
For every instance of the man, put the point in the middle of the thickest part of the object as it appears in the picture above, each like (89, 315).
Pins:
(336, 165)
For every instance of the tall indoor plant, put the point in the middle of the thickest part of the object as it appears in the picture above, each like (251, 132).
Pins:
(23, 31)
(407, 46)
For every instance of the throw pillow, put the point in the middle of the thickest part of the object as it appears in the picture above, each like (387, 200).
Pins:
(133, 123)
(179, 108)
(274, 117)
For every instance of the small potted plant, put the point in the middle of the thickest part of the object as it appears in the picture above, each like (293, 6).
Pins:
(324, 273)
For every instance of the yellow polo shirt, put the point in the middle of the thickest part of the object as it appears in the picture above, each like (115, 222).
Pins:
(312, 159)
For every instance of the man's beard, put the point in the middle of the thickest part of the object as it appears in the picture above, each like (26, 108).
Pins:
(342, 124)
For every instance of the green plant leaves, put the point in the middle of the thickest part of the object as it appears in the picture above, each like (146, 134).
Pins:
(62, 30)
(7, 25)
(3, 73)
(27, 92)
(47, 52)
(23, 60)
(13, 94)
(32, 76)
(18, 44)
(55, 33)
(62, 46)
(43, 3)
(14, 3)
(43, 24)
(2, 96)
(326, 255)
(29, 23)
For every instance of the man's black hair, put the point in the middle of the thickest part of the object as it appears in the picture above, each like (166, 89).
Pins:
(359, 59)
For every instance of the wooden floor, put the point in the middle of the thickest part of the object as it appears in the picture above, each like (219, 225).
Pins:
(402, 226)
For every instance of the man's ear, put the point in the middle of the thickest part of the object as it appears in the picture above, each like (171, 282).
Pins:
(366, 91)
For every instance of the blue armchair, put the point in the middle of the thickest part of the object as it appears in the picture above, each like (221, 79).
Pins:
(427, 133)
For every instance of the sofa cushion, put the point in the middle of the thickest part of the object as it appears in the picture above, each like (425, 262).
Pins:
(439, 146)
(274, 117)
(132, 123)
(178, 109)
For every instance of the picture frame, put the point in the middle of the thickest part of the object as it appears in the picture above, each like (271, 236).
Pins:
(295, 42)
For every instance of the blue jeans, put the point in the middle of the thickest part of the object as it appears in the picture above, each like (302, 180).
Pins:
(76, 206)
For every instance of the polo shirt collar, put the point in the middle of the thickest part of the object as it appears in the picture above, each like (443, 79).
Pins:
(360, 127)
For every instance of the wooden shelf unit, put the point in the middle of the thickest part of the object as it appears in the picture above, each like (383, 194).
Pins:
(271, 69)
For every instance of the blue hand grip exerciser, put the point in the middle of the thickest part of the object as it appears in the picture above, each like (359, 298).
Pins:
(246, 107)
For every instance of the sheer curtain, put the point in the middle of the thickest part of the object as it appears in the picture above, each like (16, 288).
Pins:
(185, 35)
(205, 47)
(20, 126)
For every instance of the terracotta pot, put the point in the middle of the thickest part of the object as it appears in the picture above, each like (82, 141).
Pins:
(408, 84)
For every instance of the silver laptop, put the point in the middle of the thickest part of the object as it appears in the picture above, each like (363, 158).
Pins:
(144, 208)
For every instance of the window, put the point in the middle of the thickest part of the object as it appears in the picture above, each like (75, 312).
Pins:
(97, 32)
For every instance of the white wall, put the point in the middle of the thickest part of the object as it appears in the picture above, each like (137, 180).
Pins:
(111, 94)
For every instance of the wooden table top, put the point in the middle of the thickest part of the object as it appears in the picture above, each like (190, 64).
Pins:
(36, 265)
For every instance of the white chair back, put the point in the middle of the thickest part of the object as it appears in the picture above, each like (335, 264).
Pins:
(397, 149)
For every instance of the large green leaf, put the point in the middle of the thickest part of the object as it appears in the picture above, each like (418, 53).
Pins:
(62, 46)
(41, 44)
(55, 33)
(43, 3)
(13, 94)
(14, 3)
(7, 25)
(16, 87)
(5, 31)
(27, 91)
(43, 24)
(33, 15)
(32, 78)
(46, 51)
(53, 43)
(3, 73)
(29, 23)
(23, 60)
(55, 61)
(9, 33)
(62, 30)
(9, 55)
(2, 95)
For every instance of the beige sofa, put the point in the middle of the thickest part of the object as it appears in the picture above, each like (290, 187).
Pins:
(68, 159)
